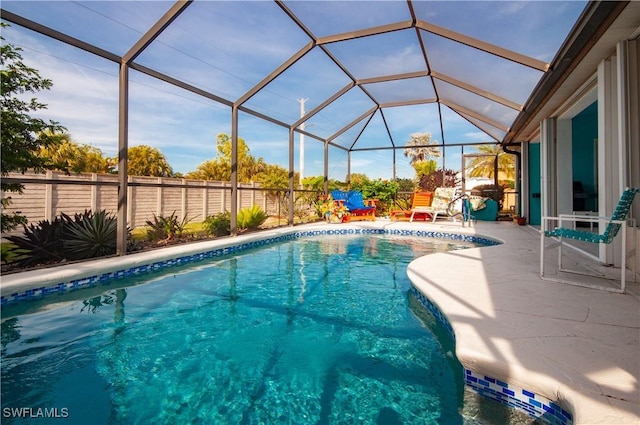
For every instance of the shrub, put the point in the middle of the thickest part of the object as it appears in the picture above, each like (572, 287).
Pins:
(302, 208)
(402, 200)
(89, 235)
(219, 224)
(405, 185)
(383, 190)
(251, 217)
(41, 243)
(439, 178)
(83, 236)
(166, 228)
(424, 168)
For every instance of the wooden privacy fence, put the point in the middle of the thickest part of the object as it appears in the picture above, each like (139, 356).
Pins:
(75, 193)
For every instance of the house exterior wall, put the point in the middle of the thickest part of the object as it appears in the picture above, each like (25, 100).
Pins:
(618, 146)
(632, 124)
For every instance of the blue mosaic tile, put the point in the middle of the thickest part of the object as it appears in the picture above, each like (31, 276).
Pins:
(534, 405)
(435, 312)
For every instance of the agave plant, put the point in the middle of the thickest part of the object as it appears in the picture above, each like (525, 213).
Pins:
(41, 243)
(89, 235)
(251, 217)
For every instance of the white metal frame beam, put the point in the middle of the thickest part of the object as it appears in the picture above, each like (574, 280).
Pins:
(484, 46)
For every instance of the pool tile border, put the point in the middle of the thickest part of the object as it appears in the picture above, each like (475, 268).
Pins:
(533, 404)
(108, 277)
(519, 398)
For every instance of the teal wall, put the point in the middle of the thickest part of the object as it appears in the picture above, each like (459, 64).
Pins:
(535, 207)
(584, 132)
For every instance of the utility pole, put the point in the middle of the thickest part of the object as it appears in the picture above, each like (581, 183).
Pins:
(302, 112)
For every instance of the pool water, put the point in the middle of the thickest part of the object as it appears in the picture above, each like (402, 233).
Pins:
(313, 331)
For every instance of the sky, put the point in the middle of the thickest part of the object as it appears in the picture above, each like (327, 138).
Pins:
(226, 48)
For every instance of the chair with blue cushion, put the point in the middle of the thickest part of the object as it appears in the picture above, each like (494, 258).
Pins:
(358, 208)
(613, 225)
(339, 197)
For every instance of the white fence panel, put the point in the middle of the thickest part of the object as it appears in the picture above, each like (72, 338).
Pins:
(196, 199)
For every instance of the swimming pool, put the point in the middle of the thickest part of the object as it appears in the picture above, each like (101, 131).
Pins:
(317, 330)
(95, 399)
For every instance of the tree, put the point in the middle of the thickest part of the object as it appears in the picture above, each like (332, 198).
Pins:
(71, 156)
(420, 147)
(484, 166)
(219, 168)
(406, 185)
(145, 160)
(248, 166)
(274, 177)
(212, 169)
(21, 134)
(358, 179)
(424, 168)
(317, 183)
(313, 183)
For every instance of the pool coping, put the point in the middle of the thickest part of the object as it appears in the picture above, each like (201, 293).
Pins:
(573, 345)
(433, 276)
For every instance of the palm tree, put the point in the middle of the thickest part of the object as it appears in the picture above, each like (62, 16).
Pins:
(69, 155)
(420, 148)
(484, 166)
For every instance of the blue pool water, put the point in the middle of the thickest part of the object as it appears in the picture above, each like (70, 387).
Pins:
(313, 331)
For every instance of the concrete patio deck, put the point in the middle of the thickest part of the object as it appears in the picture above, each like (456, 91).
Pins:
(575, 345)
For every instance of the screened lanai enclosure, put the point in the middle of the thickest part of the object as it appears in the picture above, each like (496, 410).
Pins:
(321, 88)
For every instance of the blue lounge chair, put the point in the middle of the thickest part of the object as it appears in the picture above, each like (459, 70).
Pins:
(356, 208)
(613, 225)
(339, 196)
